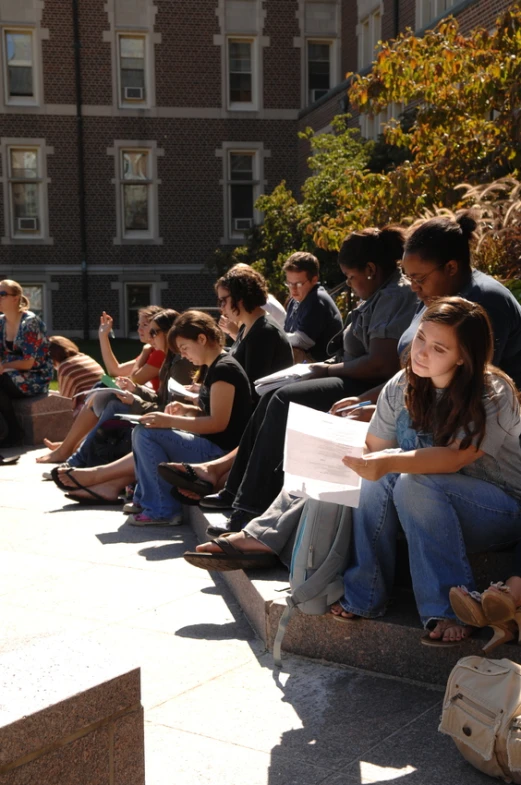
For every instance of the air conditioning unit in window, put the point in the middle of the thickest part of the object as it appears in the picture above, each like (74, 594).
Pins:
(317, 94)
(242, 224)
(134, 93)
(27, 224)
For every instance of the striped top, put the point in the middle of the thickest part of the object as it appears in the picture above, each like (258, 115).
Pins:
(77, 374)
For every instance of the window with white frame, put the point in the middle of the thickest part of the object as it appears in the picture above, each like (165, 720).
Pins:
(369, 34)
(136, 189)
(137, 295)
(427, 10)
(18, 50)
(371, 126)
(25, 182)
(241, 59)
(319, 67)
(35, 293)
(132, 70)
(243, 190)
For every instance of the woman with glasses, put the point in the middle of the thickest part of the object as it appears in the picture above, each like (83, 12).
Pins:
(261, 346)
(25, 361)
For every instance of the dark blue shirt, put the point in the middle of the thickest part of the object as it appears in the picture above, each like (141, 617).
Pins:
(504, 313)
(317, 317)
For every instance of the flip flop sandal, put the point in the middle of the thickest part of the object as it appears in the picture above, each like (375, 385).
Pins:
(187, 479)
(468, 609)
(438, 643)
(175, 494)
(9, 461)
(55, 477)
(96, 501)
(230, 559)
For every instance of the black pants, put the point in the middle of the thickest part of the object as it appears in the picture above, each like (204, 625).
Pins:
(256, 477)
(10, 429)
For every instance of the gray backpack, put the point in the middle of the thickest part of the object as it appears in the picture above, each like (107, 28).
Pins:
(318, 562)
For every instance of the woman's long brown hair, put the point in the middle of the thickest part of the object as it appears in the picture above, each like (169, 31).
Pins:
(459, 408)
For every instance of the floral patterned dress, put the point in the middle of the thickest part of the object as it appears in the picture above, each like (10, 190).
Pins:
(30, 343)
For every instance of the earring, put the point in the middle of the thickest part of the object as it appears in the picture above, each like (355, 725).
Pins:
(368, 277)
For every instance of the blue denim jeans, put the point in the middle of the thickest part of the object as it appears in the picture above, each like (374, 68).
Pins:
(444, 517)
(151, 447)
(84, 456)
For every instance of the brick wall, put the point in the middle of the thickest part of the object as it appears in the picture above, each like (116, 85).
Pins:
(281, 58)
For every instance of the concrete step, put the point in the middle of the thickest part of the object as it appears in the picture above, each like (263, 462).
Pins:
(390, 645)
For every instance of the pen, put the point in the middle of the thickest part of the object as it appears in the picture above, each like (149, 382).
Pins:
(353, 406)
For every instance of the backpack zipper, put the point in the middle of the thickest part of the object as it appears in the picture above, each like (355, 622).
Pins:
(476, 706)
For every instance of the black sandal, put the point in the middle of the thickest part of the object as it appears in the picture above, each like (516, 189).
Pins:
(230, 559)
(187, 479)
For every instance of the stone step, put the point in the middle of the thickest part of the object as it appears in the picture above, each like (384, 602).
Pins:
(390, 645)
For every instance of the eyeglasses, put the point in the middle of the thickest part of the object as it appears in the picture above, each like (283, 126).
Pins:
(298, 285)
(6, 294)
(153, 332)
(422, 278)
(221, 301)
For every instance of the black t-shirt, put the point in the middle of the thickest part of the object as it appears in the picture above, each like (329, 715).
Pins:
(317, 317)
(264, 350)
(227, 369)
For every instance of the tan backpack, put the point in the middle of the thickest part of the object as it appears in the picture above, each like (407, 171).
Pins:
(482, 713)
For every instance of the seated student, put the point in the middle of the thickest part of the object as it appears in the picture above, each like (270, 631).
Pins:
(144, 369)
(272, 307)
(454, 484)
(261, 346)
(369, 260)
(207, 430)
(77, 372)
(134, 398)
(25, 362)
(312, 317)
(437, 262)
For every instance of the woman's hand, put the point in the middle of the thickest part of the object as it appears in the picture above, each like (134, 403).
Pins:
(157, 420)
(105, 323)
(194, 387)
(125, 397)
(319, 370)
(176, 408)
(335, 409)
(124, 383)
(228, 326)
(371, 466)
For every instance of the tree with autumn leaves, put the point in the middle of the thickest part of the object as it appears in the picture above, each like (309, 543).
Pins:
(462, 125)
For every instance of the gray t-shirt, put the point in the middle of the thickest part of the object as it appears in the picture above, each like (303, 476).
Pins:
(501, 464)
(386, 314)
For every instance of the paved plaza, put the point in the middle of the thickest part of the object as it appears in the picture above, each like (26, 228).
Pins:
(215, 710)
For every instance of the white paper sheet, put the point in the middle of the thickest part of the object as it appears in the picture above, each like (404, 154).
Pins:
(178, 389)
(130, 417)
(278, 379)
(96, 390)
(315, 445)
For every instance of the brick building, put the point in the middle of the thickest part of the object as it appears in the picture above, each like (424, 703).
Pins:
(135, 135)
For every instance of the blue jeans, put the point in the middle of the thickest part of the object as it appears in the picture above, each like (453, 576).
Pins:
(84, 456)
(444, 517)
(151, 447)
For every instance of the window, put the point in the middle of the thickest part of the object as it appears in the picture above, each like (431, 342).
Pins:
(24, 192)
(136, 186)
(138, 295)
(241, 74)
(369, 34)
(35, 293)
(428, 10)
(371, 126)
(319, 69)
(242, 188)
(18, 51)
(132, 70)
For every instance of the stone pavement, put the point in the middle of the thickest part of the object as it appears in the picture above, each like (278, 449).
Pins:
(215, 710)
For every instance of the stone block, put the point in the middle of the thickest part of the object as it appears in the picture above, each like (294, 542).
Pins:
(44, 416)
(129, 753)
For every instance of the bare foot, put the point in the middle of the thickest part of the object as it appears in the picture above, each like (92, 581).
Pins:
(240, 541)
(107, 490)
(52, 445)
(337, 610)
(86, 477)
(449, 630)
(55, 456)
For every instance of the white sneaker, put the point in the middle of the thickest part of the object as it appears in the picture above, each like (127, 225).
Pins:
(130, 508)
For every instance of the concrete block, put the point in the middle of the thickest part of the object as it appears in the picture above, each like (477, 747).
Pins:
(44, 416)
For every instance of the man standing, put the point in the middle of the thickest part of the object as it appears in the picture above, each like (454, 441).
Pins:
(312, 317)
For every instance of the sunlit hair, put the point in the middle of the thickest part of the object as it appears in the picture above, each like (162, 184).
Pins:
(458, 412)
(15, 288)
(149, 311)
(383, 247)
(246, 284)
(163, 321)
(61, 348)
(302, 262)
(443, 239)
(190, 325)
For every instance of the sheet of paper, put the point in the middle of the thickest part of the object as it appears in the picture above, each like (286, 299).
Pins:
(178, 389)
(315, 445)
(294, 372)
(106, 391)
(129, 417)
